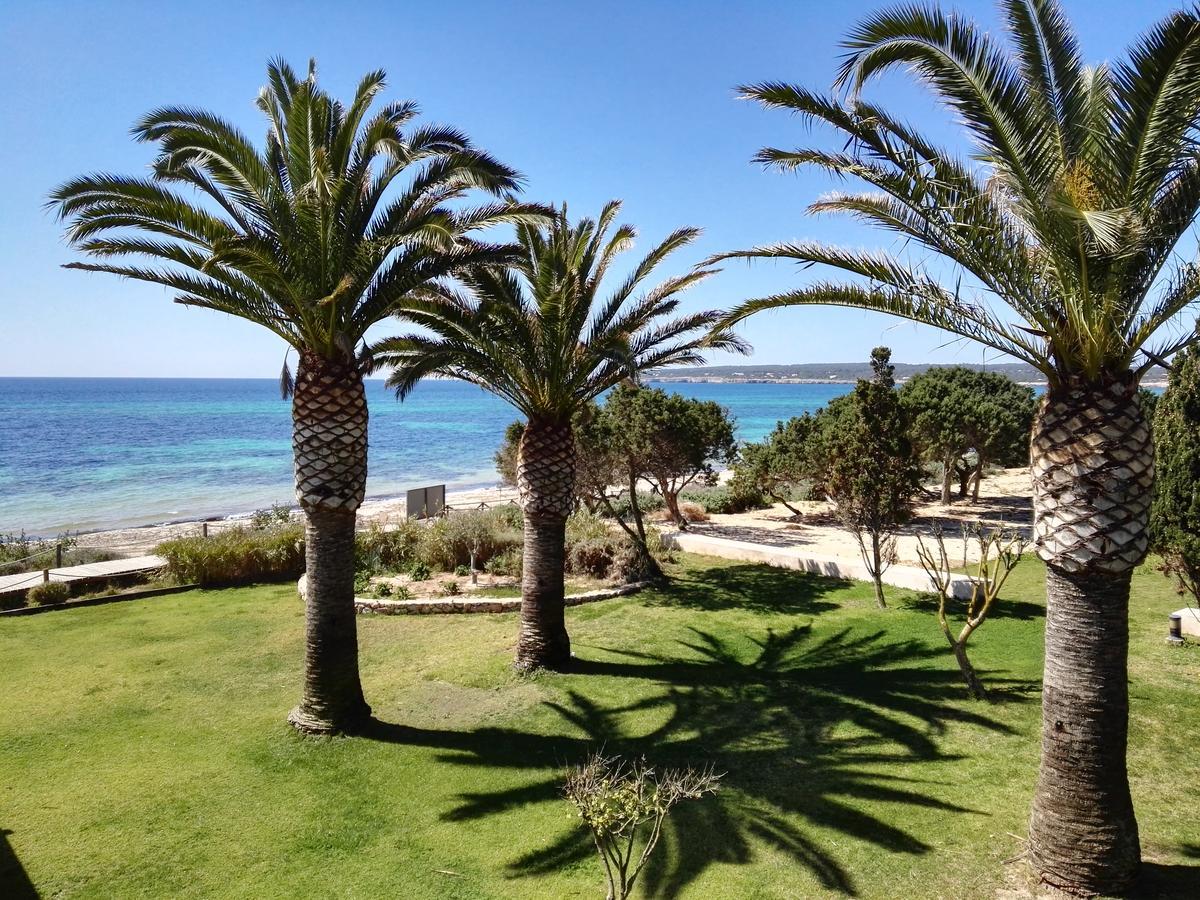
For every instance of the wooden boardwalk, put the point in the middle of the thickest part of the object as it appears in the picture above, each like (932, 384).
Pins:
(96, 571)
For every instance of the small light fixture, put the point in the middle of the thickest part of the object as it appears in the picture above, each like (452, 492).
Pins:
(1175, 634)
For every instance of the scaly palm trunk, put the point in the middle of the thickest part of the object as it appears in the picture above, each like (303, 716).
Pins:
(329, 440)
(1093, 473)
(545, 483)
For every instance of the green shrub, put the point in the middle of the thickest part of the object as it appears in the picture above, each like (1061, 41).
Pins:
(237, 556)
(447, 543)
(48, 594)
(726, 498)
(647, 502)
(419, 572)
(593, 556)
(461, 571)
(275, 516)
(507, 562)
(390, 548)
(441, 545)
(583, 526)
(451, 589)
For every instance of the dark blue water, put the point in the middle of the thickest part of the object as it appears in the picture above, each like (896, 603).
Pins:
(92, 453)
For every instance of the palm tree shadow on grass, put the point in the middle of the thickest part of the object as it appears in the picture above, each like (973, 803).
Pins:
(752, 587)
(1005, 608)
(13, 877)
(808, 729)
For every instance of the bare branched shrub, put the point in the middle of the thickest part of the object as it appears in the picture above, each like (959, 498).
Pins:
(1000, 551)
(618, 800)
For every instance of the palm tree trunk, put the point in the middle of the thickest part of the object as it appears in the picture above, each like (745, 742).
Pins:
(545, 483)
(1093, 476)
(329, 441)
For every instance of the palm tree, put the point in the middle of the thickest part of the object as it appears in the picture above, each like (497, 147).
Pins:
(543, 337)
(306, 238)
(1083, 182)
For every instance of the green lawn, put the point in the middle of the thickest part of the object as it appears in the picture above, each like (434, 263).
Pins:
(143, 750)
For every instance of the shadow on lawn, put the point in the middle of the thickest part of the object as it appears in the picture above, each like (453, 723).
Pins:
(13, 878)
(752, 587)
(801, 725)
(1005, 608)
(1160, 881)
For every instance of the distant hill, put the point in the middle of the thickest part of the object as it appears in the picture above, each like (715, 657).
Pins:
(847, 372)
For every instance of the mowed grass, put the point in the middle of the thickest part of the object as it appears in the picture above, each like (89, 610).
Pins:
(143, 750)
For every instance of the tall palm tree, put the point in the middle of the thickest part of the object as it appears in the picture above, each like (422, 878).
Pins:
(306, 237)
(544, 337)
(1084, 180)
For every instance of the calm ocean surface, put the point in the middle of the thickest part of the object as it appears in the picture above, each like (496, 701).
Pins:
(94, 453)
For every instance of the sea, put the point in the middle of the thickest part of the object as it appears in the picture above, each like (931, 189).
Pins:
(88, 454)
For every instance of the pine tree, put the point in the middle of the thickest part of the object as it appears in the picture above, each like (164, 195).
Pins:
(1175, 515)
(865, 462)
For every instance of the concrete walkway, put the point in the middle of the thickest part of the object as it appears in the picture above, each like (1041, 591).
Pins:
(97, 571)
(785, 557)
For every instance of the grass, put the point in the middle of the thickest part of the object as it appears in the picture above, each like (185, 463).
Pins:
(145, 752)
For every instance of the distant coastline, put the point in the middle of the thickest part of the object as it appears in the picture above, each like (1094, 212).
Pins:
(850, 373)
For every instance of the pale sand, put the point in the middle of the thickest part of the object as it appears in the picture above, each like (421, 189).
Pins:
(136, 541)
(1004, 499)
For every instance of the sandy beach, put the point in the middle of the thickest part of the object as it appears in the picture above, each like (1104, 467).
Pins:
(136, 541)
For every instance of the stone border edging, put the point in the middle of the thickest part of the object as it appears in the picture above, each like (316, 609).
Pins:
(464, 604)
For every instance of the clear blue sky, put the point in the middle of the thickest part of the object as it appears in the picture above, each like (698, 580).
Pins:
(590, 101)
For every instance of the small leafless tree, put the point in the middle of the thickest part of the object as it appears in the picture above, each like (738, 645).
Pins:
(1000, 551)
(616, 798)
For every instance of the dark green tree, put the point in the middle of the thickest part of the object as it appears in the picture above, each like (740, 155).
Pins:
(670, 440)
(862, 458)
(1149, 401)
(955, 412)
(334, 223)
(1175, 514)
(778, 465)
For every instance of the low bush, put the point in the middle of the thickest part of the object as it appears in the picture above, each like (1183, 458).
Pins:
(418, 571)
(693, 512)
(272, 517)
(449, 542)
(507, 562)
(237, 556)
(48, 594)
(390, 548)
(593, 556)
(725, 499)
(584, 526)
(441, 545)
(597, 550)
(647, 502)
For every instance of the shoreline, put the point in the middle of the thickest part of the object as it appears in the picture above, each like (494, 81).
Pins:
(138, 539)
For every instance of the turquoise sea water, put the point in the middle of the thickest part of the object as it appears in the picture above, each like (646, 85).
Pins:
(94, 453)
